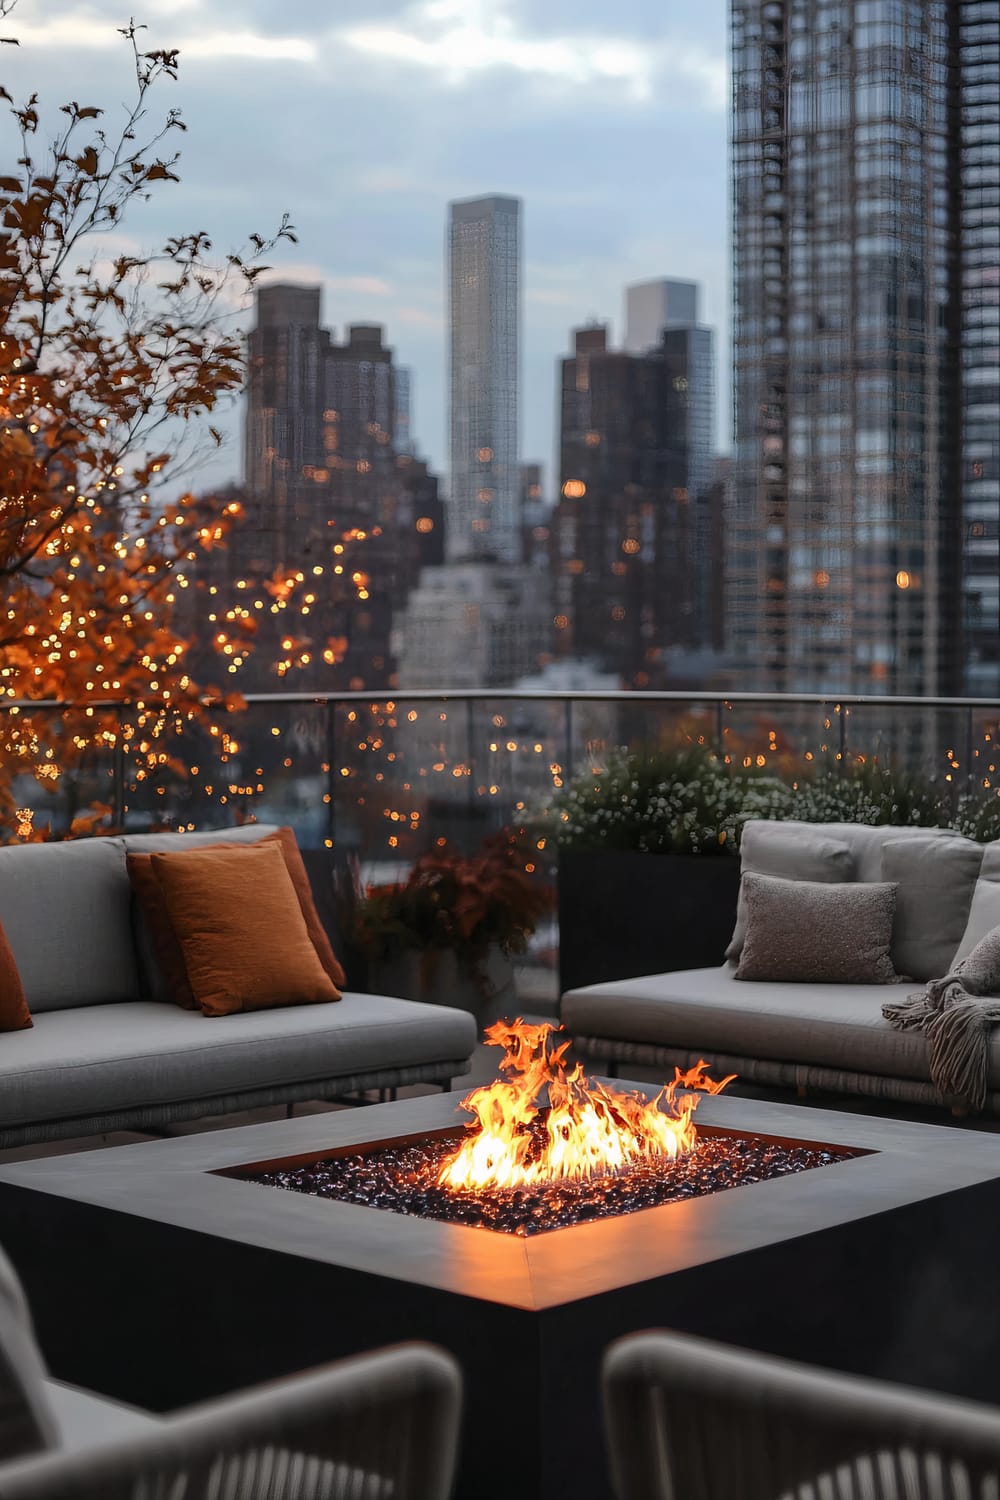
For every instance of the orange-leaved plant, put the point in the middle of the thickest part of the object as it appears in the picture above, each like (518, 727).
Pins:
(112, 367)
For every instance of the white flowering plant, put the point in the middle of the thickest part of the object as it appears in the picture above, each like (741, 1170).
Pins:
(692, 801)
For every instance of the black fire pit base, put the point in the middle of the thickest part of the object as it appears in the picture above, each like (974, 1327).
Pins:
(158, 1281)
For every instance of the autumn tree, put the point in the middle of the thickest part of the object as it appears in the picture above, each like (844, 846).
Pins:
(113, 365)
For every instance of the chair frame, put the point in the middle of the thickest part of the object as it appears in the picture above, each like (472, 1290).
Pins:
(688, 1419)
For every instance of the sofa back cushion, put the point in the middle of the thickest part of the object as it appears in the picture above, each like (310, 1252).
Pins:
(984, 913)
(164, 843)
(935, 879)
(865, 841)
(155, 985)
(65, 910)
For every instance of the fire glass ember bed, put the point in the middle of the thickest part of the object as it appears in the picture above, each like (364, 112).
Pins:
(881, 1261)
(548, 1149)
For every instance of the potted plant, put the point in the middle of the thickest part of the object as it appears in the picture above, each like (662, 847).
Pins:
(448, 931)
(624, 912)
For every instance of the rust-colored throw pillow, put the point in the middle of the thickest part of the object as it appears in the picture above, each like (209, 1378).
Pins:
(300, 880)
(241, 930)
(167, 950)
(14, 1012)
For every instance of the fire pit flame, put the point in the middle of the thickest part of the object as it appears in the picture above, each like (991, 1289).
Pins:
(589, 1130)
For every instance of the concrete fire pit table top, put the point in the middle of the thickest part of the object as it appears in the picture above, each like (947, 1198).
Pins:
(159, 1281)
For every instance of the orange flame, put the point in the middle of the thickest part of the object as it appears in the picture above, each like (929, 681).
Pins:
(589, 1130)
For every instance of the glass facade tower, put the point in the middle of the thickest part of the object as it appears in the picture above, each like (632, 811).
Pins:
(979, 164)
(485, 300)
(853, 187)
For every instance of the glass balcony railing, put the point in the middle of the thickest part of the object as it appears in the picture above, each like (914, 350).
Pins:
(375, 782)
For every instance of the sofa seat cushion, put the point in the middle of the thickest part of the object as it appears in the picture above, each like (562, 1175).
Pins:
(100, 1059)
(831, 1025)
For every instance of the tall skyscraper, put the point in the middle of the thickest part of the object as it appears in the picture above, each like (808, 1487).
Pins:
(282, 428)
(663, 315)
(978, 155)
(865, 212)
(652, 306)
(485, 318)
(628, 581)
(335, 493)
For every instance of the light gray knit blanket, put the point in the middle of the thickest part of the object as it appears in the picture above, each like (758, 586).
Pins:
(957, 1014)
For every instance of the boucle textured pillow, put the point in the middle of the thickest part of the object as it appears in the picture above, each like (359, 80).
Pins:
(815, 933)
(800, 853)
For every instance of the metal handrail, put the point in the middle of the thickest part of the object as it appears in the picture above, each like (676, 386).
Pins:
(560, 695)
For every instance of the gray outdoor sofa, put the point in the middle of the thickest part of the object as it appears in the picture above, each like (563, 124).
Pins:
(102, 1056)
(810, 1035)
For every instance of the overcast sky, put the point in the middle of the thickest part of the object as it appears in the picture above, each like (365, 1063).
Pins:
(362, 118)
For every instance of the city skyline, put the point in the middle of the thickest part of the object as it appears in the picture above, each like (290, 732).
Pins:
(611, 127)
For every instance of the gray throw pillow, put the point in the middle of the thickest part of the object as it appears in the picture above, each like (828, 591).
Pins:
(935, 879)
(984, 916)
(799, 853)
(813, 933)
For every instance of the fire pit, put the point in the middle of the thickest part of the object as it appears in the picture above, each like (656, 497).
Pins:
(549, 1148)
(880, 1264)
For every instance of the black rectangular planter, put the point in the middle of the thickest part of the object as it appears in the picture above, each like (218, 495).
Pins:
(622, 913)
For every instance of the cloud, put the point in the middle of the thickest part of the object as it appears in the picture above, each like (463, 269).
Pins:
(219, 44)
(288, 270)
(371, 286)
(82, 29)
(462, 39)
